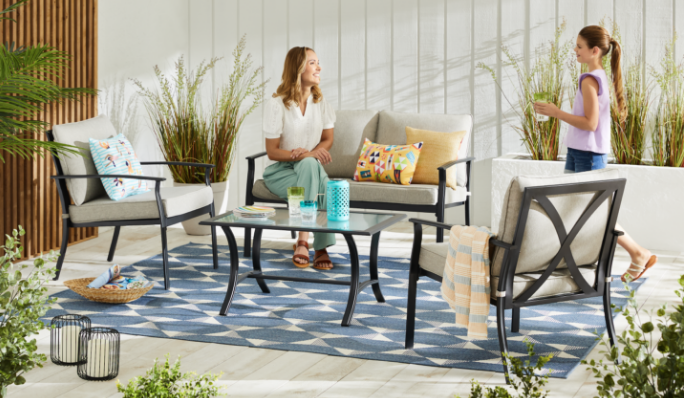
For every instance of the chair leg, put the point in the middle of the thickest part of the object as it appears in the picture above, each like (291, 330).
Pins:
(467, 211)
(112, 248)
(62, 250)
(501, 329)
(165, 259)
(411, 311)
(294, 234)
(608, 314)
(440, 231)
(248, 242)
(515, 325)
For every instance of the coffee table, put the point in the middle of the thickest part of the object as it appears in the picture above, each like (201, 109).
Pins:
(359, 224)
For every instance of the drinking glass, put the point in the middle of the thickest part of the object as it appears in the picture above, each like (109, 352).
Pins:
(542, 97)
(295, 195)
(308, 209)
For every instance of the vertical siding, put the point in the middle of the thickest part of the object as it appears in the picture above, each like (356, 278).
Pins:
(28, 196)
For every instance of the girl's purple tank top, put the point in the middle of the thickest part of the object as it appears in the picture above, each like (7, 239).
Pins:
(597, 141)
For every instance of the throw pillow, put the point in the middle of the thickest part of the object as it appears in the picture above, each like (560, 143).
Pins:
(389, 164)
(115, 156)
(438, 149)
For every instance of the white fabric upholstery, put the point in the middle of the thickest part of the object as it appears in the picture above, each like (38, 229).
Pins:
(383, 192)
(78, 134)
(351, 128)
(176, 201)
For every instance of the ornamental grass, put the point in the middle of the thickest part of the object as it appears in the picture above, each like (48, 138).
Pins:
(541, 138)
(668, 135)
(188, 133)
(628, 136)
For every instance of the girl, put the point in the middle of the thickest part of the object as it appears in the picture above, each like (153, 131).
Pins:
(298, 126)
(588, 137)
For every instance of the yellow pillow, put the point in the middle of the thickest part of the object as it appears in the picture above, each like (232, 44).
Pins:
(438, 149)
(387, 163)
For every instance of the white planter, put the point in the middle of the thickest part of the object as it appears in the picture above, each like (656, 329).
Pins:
(651, 210)
(192, 226)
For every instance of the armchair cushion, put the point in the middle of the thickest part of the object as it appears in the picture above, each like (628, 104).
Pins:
(540, 242)
(382, 192)
(392, 130)
(78, 134)
(351, 128)
(176, 201)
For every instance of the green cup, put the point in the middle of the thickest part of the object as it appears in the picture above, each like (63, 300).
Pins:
(542, 97)
(295, 195)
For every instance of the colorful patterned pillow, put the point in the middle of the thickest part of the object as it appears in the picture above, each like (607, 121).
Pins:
(115, 156)
(387, 163)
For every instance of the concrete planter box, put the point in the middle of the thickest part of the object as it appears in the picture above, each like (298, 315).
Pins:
(652, 210)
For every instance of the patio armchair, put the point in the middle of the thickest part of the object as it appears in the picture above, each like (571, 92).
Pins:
(556, 243)
(77, 180)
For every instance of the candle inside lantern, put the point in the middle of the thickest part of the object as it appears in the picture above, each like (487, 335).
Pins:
(68, 345)
(99, 357)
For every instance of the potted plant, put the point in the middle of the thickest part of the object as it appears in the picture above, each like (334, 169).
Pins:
(187, 132)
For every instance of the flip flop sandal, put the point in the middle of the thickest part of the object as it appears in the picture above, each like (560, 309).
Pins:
(635, 269)
(300, 256)
(322, 258)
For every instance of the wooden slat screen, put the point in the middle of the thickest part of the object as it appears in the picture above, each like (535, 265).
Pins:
(29, 197)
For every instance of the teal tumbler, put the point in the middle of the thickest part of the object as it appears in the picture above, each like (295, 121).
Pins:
(337, 193)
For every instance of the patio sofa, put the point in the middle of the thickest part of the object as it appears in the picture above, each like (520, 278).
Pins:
(385, 127)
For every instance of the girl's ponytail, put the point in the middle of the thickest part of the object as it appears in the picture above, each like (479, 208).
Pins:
(616, 72)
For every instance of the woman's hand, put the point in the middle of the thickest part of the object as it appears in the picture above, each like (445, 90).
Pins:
(548, 109)
(321, 155)
(298, 152)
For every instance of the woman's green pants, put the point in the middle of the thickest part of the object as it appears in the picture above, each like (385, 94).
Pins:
(307, 173)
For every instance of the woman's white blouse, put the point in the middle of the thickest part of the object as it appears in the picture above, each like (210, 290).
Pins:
(294, 129)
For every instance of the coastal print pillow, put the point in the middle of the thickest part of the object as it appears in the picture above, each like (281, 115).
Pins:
(387, 163)
(115, 156)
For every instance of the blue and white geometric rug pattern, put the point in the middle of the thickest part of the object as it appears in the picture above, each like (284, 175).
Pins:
(306, 317)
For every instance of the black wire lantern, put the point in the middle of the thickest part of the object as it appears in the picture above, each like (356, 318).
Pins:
(64, 338)
(100, 347)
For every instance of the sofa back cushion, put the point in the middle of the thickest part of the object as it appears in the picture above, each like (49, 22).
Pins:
(352, 128)
(540, 242)
(392, 130)
(78, 134)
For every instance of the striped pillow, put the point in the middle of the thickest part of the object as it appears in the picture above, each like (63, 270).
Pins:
(115, 156)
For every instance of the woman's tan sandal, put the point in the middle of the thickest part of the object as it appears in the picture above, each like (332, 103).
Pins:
(636, 271)
(322, 260)
(303, 243)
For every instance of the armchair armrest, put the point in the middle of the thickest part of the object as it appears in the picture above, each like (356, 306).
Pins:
(255, 156)
(503, 245)
(430, 223)
(454, 162)
(182, 163)
(145, 178)
(618, 233)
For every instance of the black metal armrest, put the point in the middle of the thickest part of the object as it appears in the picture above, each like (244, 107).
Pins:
(618, 233)
(145, 178)
(430, 223)
(255, 156)
(454, 162)
(181, 163)
(499, 243)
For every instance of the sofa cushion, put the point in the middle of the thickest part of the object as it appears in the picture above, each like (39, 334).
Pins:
(540, 242)
(381, 192)
(176, 201)
(392, 130)
(78, 134)
(438, 149)
(387, 164)
(115, 156)
(351, 129)
(433, 258)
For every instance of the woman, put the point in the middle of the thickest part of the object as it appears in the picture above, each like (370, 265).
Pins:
(298, 126)
(588, 138)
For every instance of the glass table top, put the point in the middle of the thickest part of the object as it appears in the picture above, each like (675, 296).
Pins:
(359, 223)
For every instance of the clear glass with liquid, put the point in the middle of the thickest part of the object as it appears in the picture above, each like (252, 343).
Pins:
(295, 195)
(542, 97)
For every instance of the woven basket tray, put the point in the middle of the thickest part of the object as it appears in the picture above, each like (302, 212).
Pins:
(105, 295)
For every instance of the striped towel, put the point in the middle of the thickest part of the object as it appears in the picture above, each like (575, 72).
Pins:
(465, 285)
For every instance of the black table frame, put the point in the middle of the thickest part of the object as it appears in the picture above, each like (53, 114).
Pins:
(355, 287)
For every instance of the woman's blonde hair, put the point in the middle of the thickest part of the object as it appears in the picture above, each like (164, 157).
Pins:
(290, 87)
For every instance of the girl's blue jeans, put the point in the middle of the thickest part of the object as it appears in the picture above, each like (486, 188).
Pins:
(583, 161)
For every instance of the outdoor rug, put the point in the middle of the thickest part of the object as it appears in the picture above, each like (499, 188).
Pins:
(306, 317)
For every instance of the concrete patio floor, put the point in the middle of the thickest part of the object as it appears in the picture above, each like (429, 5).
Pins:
(254, 372)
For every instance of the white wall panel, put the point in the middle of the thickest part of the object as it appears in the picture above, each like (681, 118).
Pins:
(679, 27)
(658, 31)
(431, 57)
(459, 57)
(353, 54)
(629, 17)
(326, 44)
(597, 10)
(201, 47)
(379, 54)
(405, 55)
(301, 23)
(513, 37)
(275, 43)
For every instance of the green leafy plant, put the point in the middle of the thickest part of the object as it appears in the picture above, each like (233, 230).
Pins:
(541, 138)
(649, 367)
(185, 132)
(28, 82)
(167, 381)
(526, 382)
(23, 301)
(668, 134)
